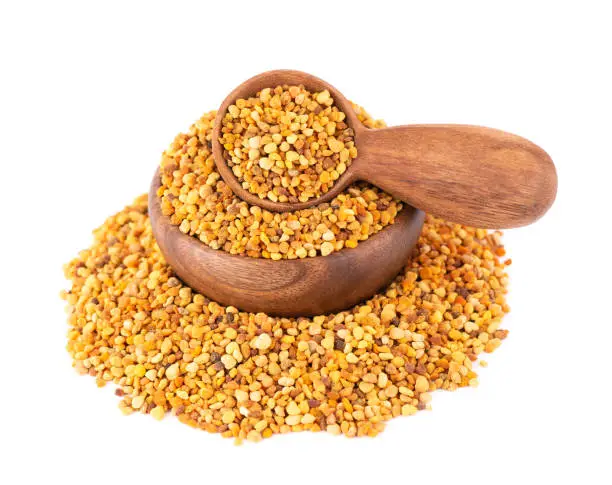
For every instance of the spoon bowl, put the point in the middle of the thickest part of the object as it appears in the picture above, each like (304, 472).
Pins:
(471, 175)
(292, 288)
(273, 79)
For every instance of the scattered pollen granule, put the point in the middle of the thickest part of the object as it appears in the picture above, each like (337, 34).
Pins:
(287, 144)
(249, 376)
(195, 198)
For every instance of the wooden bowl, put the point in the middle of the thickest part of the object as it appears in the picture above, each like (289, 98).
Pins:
(290, 287)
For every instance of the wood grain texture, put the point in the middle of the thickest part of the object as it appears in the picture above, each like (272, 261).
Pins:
(467, 174)
(301, 287)
(471, 175)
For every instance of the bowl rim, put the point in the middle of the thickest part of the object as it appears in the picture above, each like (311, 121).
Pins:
(404, 216)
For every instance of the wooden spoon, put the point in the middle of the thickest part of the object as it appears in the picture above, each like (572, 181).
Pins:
(467, 174)
(297, 287)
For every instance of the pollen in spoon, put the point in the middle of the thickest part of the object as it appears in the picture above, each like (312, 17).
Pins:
(287, 144)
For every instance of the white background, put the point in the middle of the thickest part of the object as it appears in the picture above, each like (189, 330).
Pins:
(92, 92)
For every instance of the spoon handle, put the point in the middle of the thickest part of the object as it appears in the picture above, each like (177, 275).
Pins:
(467, 174)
